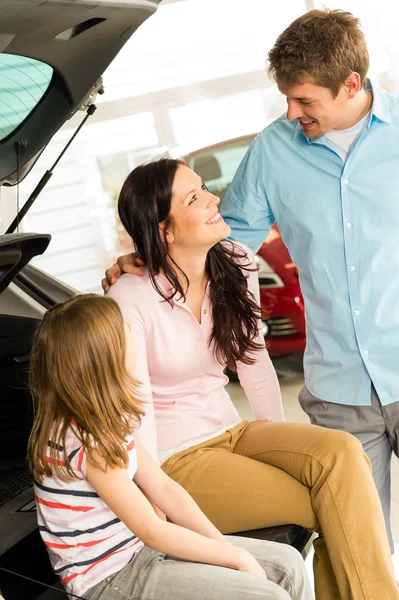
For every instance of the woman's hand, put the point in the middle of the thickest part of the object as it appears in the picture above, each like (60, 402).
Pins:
(127, 263)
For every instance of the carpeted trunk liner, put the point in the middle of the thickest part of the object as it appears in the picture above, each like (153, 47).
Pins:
(13, 482)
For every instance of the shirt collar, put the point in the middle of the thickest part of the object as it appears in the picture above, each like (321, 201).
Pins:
(297, 129)
(379, 108)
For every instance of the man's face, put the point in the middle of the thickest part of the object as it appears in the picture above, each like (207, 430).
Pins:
(315, 107)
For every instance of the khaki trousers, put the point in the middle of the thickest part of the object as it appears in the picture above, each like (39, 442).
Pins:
(375, 426)
(261, 474)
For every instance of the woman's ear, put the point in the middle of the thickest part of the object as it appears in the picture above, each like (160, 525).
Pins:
(166, 233)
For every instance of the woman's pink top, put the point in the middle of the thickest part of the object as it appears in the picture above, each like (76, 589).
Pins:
(182, 383)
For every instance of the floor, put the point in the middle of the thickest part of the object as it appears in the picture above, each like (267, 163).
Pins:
(290, 375)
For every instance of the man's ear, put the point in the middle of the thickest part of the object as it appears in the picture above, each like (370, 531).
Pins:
(166, 233)
(353, 84)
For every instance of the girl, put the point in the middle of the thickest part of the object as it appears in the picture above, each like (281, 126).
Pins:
(92, 481)
(194, 311)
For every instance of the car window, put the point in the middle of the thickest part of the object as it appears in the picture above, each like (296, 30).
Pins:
(217, 166)
(23, 83)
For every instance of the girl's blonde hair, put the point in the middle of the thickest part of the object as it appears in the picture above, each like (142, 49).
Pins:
(79, 380)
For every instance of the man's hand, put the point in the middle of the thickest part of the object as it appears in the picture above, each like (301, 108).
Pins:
(128, 263)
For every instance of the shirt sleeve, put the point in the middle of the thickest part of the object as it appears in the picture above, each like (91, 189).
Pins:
(259, 380)
(245, 207)
(146, 434)
(77, 453)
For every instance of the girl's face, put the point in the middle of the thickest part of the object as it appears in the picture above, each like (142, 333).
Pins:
(197, 223)
(130, 358)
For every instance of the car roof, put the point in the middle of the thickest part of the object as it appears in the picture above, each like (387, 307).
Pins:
(243, 138)
(78, 40)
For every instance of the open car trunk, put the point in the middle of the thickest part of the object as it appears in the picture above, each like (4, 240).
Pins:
(21, 549)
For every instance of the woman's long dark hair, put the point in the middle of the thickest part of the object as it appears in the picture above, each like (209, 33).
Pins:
(144, 203)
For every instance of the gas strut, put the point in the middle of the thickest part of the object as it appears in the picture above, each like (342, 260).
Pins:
(47, 175)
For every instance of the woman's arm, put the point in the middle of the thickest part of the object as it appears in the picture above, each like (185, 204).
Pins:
(147, 432)
(126, 500)
(259, 380)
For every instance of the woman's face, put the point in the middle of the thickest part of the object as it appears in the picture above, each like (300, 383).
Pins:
(197, 223)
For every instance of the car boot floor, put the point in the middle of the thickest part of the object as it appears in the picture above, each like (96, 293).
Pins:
(14, 481)
(25, 570)
(17, 518)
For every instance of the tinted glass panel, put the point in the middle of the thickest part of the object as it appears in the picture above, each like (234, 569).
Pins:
(217, 165)
(23, 83)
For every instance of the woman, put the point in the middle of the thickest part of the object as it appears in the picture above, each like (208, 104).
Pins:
(103, 537)
(194, 311)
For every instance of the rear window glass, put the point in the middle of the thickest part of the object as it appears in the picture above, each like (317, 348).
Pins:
(23, 83)
(217, 166)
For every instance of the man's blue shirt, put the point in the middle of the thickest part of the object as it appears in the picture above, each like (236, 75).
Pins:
(340, 223)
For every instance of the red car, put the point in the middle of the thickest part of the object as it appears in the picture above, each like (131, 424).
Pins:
(281, 297)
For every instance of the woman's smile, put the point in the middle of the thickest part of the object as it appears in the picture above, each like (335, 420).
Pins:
(215, 219)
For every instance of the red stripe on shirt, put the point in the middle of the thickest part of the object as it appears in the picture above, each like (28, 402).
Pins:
(80, 459)
(58, 461)
(130, 446)
(59, 505)
(68, 579)
(81, 545)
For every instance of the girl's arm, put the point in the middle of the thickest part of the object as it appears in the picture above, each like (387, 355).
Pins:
(259, 380)
(126, 500)
(171, 497)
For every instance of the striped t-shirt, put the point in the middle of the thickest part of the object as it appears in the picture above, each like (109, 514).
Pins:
(85, 540)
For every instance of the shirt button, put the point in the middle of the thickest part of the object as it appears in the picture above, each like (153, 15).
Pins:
(352, 268)
(348, 225)
(365, 352)
(345, 181)
(205, 311)
(357, 312)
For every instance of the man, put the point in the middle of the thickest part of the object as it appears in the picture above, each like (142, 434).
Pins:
(327, 173)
